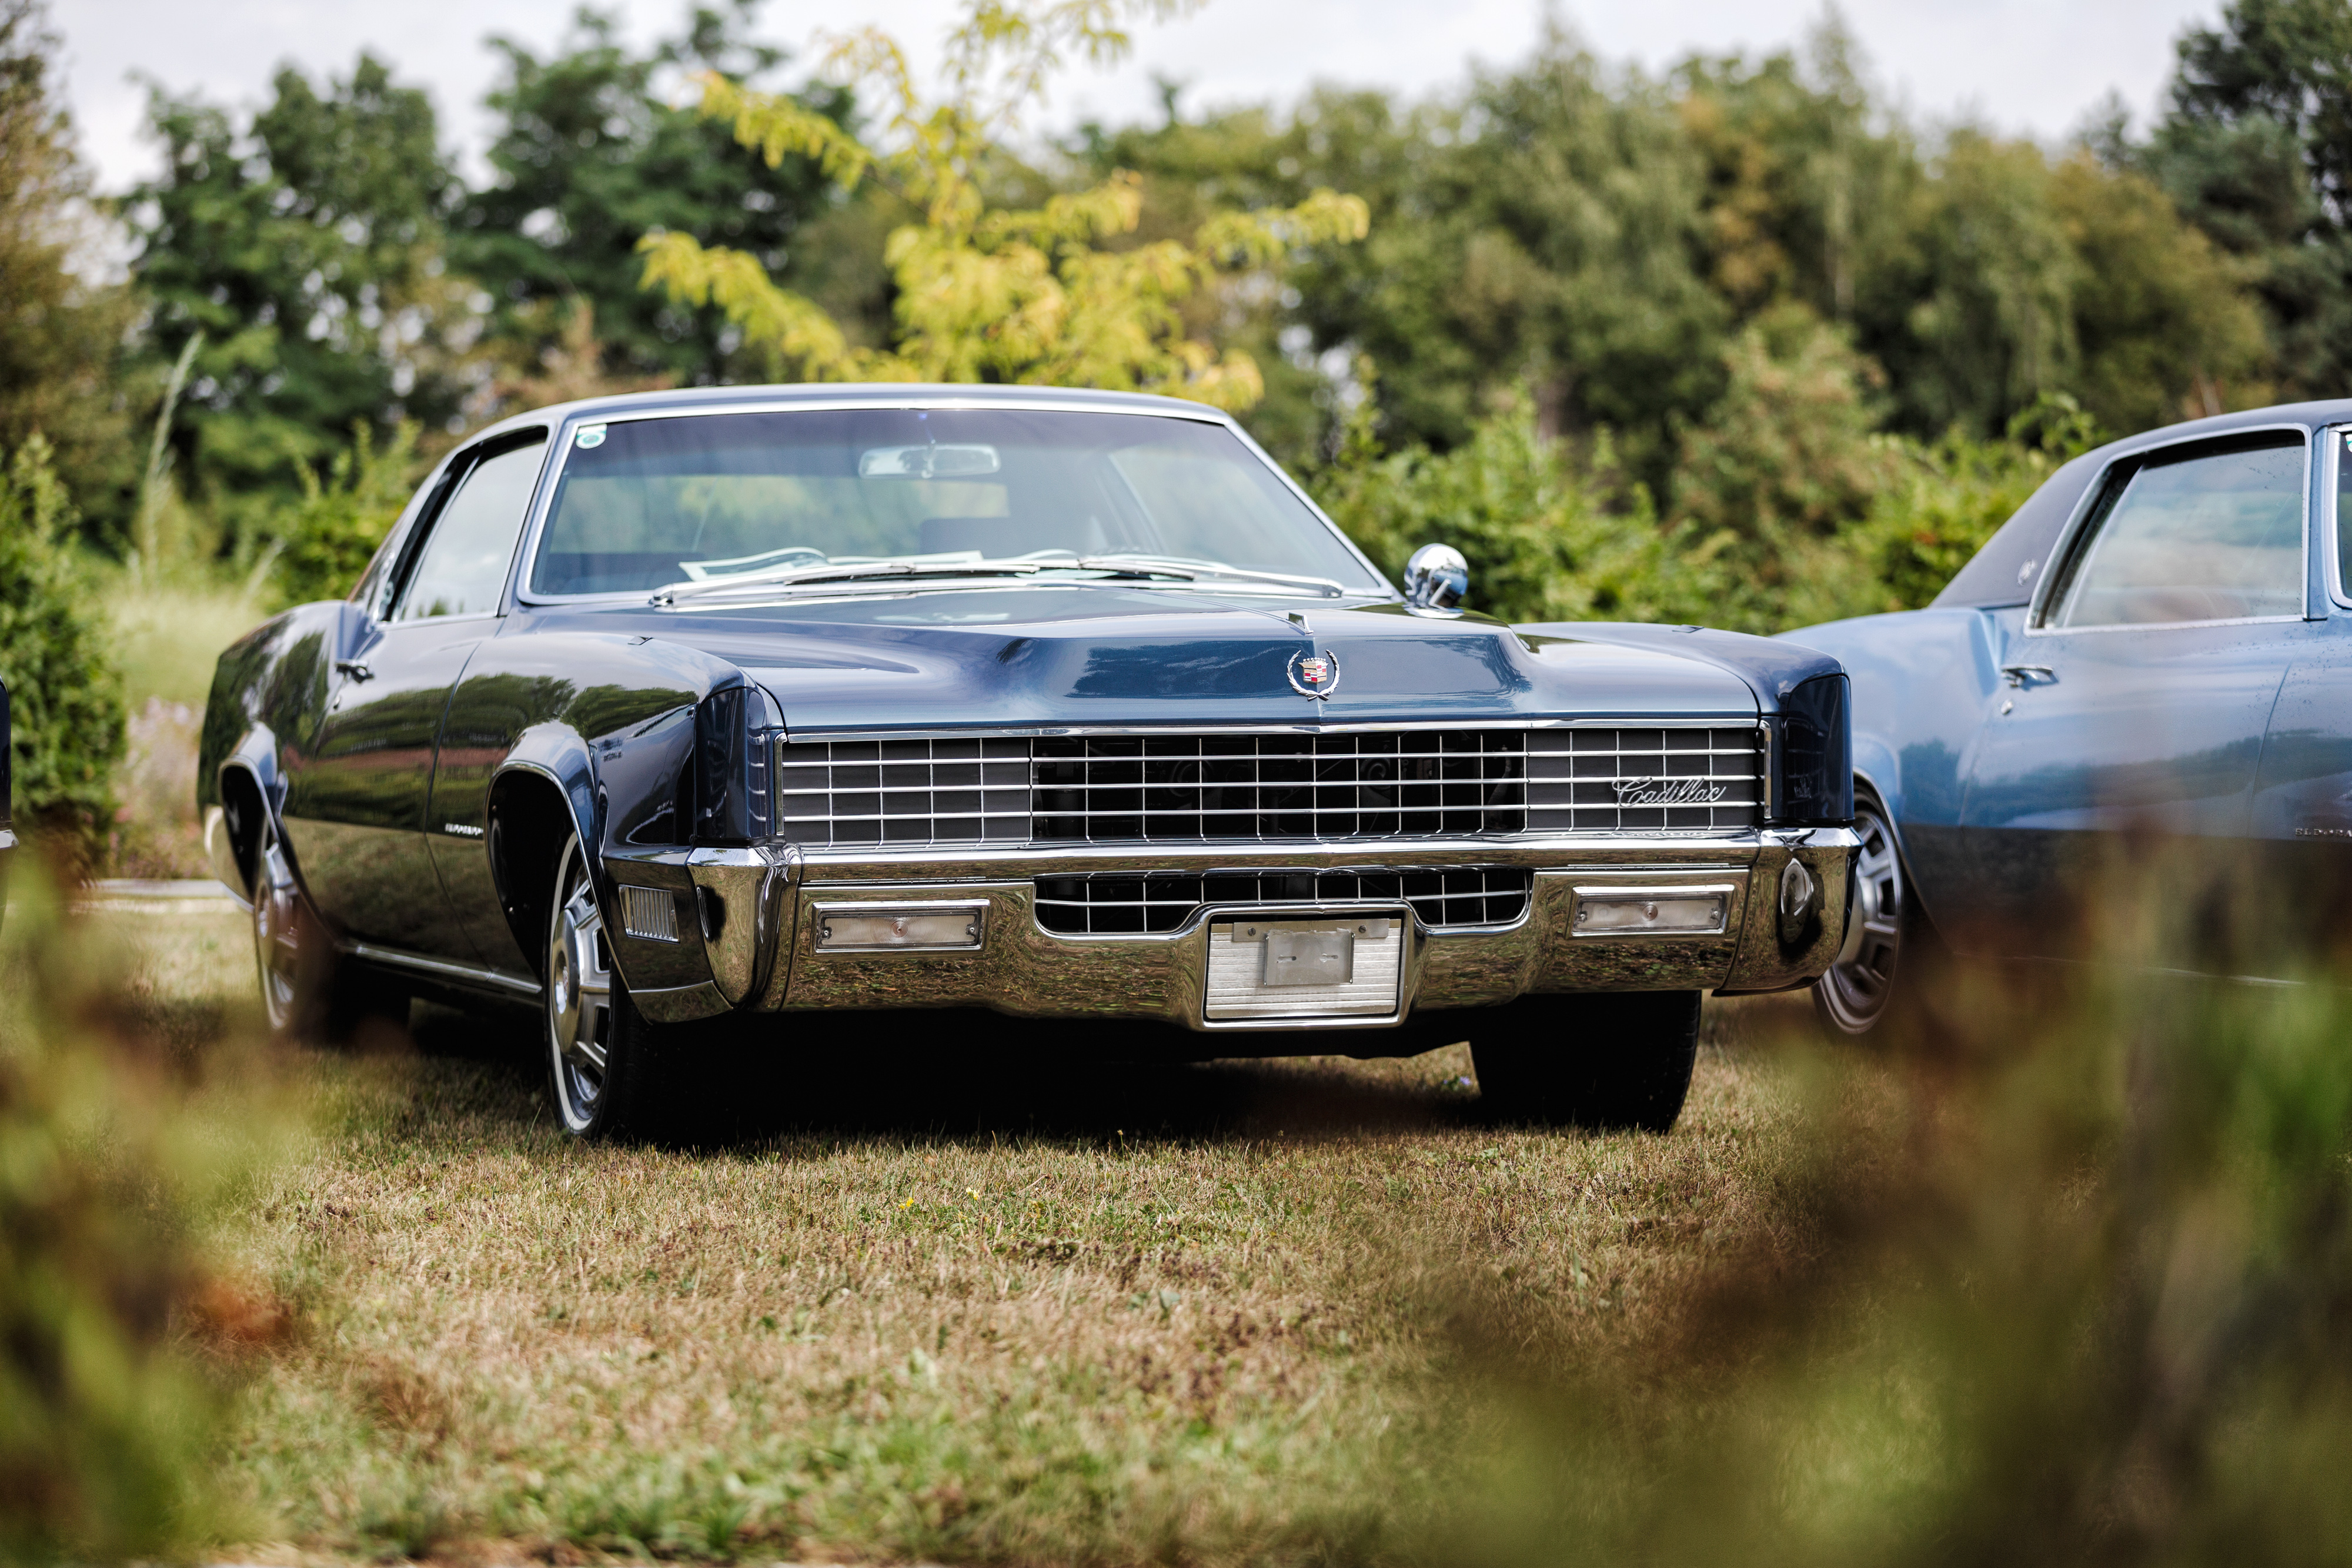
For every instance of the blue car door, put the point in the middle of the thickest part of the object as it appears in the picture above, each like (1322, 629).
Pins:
(2138, 686)
(355, 803)
(2303, 800)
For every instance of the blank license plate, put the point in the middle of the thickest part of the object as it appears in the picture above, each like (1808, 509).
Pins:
(1329, 966)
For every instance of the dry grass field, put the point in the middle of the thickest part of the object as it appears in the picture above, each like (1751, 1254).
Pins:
(937, 1310)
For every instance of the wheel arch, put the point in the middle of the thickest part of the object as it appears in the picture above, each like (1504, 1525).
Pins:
(544, 793)
(248, 790)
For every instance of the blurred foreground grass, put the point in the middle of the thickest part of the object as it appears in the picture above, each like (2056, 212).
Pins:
(2065, 1274)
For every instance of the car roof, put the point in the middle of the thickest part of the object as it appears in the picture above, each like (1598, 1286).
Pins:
(2005, 568)
(874, 394)
(2321, 412)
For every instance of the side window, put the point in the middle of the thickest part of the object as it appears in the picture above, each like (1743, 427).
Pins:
(2213, 533)
(462, 568)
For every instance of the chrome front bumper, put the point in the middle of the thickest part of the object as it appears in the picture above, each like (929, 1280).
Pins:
(752, 940)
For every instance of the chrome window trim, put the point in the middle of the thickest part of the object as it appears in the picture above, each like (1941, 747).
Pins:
(468, 454)
(2044, 587)
(2336, 592)
(551, 475)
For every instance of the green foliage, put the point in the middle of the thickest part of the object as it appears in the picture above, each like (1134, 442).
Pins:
(1537, 528)
(2078, 1251)
(588, 159)
(987, 291)
(2256, 148)
(1945, 500)
(326, 539)
(64, 691)
(60, 337)
(116, 1320)
(307, 246)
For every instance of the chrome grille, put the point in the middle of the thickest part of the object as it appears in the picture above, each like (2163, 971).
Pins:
(1103, 906)
(903, 791)
(1227, 786)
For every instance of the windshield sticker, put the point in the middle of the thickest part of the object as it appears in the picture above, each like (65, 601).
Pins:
(590, 437)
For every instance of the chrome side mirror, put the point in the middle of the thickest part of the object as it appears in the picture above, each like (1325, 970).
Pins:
(1437, 577)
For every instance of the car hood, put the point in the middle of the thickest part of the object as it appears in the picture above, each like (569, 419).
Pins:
(1040, 654)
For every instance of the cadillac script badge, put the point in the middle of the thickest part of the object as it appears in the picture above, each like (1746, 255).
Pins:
(1313, 674)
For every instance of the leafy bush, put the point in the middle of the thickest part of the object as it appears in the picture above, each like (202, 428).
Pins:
(1546, 539)
(115, 1167)
(1789, 511)
(326, 539)
(63, 686)
(2067, 1282)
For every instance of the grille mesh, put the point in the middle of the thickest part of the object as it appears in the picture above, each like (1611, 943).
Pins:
(1196, 787)
(1162, 901)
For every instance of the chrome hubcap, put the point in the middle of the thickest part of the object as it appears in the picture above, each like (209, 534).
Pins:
(276, 940)
(1861, 980)
(579, 994)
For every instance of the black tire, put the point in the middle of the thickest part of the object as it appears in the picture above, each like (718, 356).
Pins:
(308, 992)
(1873, 982)
(602, 1056)
(1612, 1061)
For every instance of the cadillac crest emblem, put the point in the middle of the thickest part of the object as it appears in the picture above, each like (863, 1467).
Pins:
(1313, 674)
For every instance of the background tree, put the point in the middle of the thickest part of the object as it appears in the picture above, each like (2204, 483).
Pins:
(61, 337)
(307, 247)
(987, 291)
(2256, 148)
(589, 157)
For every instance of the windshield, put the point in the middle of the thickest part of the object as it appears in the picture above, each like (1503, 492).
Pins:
(643, 504)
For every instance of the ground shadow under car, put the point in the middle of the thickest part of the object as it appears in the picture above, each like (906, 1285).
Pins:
(959, 1075)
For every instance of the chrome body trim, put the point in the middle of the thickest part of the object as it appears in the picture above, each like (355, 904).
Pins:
(478, 976)
(749, 888)
(679, 1004)
(1027, 971)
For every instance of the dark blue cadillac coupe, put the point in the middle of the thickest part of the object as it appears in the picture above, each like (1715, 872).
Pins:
(807, 706)
(2155, 651)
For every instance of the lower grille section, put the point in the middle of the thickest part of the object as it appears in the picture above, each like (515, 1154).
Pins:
(1109, 905)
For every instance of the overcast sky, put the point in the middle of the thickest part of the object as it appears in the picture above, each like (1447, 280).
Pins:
(2026, 65)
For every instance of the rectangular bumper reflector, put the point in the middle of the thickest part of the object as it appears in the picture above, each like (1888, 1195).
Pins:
(650, 913)
(1651, 911)
(913, 928)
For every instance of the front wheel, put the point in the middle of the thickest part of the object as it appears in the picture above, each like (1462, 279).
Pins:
(601, 1050)
(1612, 1060)
(1859, 992)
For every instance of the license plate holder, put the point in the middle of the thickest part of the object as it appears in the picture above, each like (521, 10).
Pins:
(1303, 965)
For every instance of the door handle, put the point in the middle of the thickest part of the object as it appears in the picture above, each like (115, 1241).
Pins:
(355, 669)
(2029, 674)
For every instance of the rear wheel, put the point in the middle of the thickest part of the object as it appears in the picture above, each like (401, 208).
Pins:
(1609, 1061)
(307, 990)
(1859, 990)
(601, 1050)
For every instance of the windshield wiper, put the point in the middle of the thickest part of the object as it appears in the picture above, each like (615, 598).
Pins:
(1194, 571)
(1131, 566)
(844, 572)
